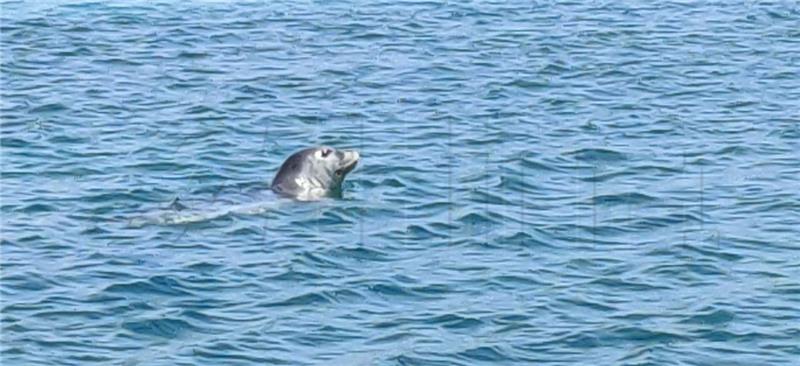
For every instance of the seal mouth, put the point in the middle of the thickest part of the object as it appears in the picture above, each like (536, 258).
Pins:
(348, 163)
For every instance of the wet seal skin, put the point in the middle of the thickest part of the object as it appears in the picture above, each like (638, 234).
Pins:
(314, 173)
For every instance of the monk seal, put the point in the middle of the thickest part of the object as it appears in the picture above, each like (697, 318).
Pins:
(314, 173)
(307, 175)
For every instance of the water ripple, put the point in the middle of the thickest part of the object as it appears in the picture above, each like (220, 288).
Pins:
(542, 183)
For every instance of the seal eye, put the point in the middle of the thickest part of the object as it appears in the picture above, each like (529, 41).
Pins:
(338, 172)
(326, 152)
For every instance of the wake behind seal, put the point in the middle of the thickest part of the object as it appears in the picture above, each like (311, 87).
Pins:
(314, 173)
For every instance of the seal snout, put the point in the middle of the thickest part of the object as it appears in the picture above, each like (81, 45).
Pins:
(348, 161)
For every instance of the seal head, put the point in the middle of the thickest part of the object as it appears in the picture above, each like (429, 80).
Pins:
(314, 173)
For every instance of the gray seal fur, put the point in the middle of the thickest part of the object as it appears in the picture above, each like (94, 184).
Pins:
(314, 173)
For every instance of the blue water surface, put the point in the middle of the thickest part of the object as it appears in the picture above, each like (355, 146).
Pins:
(542, 182)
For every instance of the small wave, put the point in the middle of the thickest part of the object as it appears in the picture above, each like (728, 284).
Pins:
(485, 354)
(157, 285)
(314, 298)
(49, 108)
(627, 198)
(454, 321)
(597, 155)
(162, 327)
(710, 316)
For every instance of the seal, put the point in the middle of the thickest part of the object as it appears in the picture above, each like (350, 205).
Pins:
(307, 175)
(314, 173)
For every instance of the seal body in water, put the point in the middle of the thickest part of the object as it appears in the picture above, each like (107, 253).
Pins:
(307, 175)
(314, 173)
